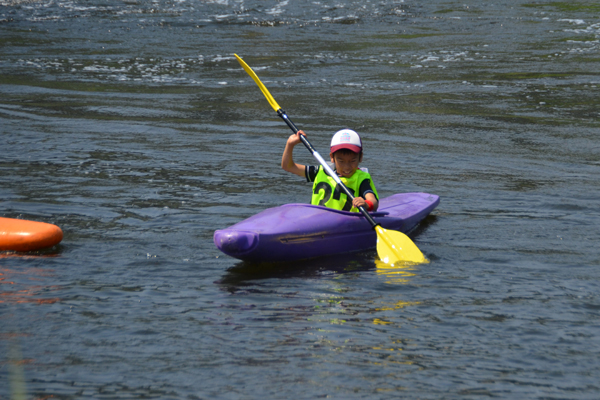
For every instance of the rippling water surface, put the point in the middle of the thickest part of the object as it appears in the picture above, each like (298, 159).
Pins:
(132, 127)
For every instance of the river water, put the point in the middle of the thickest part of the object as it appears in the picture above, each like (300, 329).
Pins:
(132, 127)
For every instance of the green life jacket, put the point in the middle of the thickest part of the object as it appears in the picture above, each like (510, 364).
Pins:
(326, 192)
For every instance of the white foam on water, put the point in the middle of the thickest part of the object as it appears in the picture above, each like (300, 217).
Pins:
(573, 21)
(278, 9)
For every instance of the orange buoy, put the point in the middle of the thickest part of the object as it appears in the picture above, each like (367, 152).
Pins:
(24, 235)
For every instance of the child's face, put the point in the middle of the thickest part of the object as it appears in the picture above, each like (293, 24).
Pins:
(346, 163)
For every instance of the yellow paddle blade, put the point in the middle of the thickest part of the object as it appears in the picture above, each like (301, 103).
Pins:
(262, 87)
(394, 247)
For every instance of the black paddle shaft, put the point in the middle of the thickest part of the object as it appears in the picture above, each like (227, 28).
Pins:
(295, 129)
(312, 150)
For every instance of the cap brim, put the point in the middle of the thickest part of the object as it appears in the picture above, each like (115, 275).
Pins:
(351, 147)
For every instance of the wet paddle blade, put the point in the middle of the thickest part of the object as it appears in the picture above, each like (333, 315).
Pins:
(262, 87)
(394, 247)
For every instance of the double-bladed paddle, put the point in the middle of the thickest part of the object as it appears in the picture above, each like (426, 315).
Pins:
(392, 246)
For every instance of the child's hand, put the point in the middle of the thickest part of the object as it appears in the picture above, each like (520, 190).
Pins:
(287, 158)
(295, 138)
(370, 205)
(359, 202)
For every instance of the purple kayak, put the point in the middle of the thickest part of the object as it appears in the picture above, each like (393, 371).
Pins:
(298, 231)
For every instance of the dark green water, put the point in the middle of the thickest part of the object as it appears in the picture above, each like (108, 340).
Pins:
(132, 127)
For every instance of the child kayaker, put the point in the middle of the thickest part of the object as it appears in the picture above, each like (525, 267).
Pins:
(346, 153)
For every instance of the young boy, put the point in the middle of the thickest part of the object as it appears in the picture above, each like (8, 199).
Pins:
(345, 153)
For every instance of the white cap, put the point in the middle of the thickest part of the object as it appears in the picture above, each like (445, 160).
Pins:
(346, 139)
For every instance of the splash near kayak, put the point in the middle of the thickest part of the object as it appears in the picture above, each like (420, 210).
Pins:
(24, 235)
(299, 231)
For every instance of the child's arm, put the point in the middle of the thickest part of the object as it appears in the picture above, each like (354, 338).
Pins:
(287, 160)
(359, 201)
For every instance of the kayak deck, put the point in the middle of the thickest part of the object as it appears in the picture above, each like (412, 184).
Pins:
(299, 231)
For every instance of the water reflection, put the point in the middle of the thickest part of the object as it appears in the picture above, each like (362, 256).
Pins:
(397, 273)
(21, 286)
(26, 286)
(244, 273)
